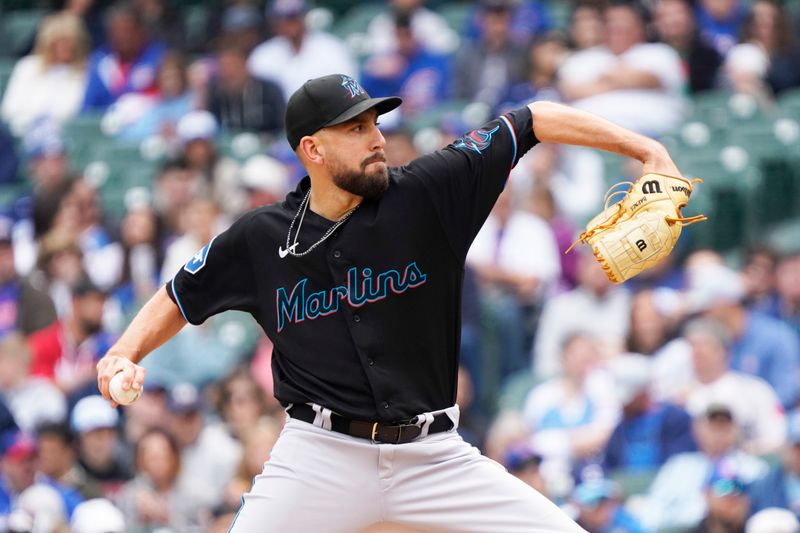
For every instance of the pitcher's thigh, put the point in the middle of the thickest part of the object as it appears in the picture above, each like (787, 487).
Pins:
(473, 494)
(310, 483)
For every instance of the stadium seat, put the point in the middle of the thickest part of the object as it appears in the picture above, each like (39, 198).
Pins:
(515, 390)
(356, 20)
(789, 103)
(456, 14)
(633, 483)
(18, 29)
(6, 66)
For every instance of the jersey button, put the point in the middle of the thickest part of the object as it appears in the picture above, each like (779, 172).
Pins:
(337, 254)
(371, 362)
(356, 318)
(385, 405)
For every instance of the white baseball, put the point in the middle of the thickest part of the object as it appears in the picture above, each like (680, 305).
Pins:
(120, 395)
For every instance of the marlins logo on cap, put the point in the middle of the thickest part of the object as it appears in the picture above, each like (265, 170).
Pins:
(351, 85)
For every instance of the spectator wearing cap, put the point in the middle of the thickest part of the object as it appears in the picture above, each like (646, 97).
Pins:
(781, 486)
(727, 502)
(650, 432)
(217, 175)
(209, 455)
(675, 499)
(157, 497)
(418, 76)
(241, 102)
(18, 467)
(100, 450)
(486, 69)
(524, 463)
(429, 28)
(67, 351)
(58, 65)
(128, 64)
(675, 25)
(761, 345)
(296, 54)
(755, 404)
(97, 515)
(627, 80)
(600, 509)
(32, 399)
(265, 181)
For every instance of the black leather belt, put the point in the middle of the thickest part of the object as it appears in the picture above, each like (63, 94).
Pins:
(374, 431)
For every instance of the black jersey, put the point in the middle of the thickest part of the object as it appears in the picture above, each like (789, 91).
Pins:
(368, 323)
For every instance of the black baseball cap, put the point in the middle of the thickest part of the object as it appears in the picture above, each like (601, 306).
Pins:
(327, 101)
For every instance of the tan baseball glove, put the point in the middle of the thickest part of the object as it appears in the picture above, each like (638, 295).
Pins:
(637, 232)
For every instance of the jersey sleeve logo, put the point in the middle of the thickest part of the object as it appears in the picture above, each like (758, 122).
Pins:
(352, 86)
(476, 140)
(198, 260)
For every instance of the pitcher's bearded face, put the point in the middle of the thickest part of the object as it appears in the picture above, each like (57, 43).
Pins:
(369, 179)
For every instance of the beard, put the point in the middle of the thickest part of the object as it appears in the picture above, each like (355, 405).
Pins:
(368, 185)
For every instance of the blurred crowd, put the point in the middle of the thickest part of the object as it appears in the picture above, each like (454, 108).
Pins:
(669, 403)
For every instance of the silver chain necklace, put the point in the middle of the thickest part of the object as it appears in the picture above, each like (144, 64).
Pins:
(302, 209)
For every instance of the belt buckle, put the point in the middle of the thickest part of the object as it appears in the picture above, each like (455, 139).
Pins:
(374, 434)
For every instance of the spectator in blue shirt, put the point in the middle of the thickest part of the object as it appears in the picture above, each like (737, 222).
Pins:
(411, 72)
(720, 22)
(18, 462)
(128, 64)
(781, 486)
(649, 432)
(727, 502)
(599, 508)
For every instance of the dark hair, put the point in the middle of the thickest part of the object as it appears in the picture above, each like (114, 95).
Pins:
(171, 442)
(172, 164)
(128, 9)
(59, 430)
(783, 26)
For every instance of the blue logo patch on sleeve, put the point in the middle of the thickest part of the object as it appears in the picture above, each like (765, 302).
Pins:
(198, 260)
(477, 140)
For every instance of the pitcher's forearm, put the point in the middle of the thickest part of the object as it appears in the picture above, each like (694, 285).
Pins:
(157, 322)
(566, 125)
